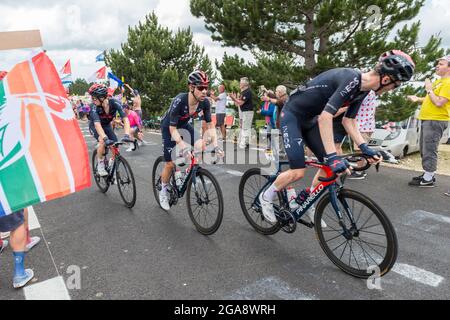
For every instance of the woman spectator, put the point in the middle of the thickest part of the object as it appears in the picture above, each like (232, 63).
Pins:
(268, 110)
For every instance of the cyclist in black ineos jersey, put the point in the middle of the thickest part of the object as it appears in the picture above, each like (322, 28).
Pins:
(307, 119)
(101, 117)
(175, 125)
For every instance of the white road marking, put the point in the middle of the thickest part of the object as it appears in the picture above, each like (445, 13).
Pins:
(53, 289)
(33, 222)
(422, 215)
(425, 221)
(269, 288)
(417, 274)
(235, 173)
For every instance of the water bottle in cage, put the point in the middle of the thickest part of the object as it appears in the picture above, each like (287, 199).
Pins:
(110, 163)
(179, 178)
(292, 196)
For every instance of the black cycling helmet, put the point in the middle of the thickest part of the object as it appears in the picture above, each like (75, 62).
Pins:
(396, 64)
(198, 78)
(98, 91)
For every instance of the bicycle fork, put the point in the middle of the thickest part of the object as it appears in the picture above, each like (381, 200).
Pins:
(349, 234)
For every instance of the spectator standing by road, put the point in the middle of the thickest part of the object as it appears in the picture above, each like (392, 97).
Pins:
(269, 111)
(435, 115)
(221, 109)
(137, 101)
(245, 104)
(15, 223)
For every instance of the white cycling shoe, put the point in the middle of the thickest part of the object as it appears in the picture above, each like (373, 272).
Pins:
(267, 209)
(101, 169)
(311, 213)
(164, 201)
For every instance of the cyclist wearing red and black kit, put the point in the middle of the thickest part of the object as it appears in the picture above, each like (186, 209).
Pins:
(176, 129)
(307, 118)
(328, 92)
(178, 116)
(103, 111)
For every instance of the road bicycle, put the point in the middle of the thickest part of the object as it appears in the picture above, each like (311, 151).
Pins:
(359, 238)
(203, 194)
(119, 172)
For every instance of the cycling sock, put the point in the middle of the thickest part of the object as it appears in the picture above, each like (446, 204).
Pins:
(19, 269)
(428, 176)
(270, 193)
(164, 188)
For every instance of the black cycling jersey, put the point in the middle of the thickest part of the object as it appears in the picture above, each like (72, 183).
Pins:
(178, 113)
(98, 114)
(328, 92)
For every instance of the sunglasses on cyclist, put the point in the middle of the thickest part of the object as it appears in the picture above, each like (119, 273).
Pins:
(201, 88)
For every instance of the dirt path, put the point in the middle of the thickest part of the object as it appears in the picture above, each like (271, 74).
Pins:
(414, 161)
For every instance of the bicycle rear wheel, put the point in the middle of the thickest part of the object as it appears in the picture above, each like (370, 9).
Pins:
(101, 182)
(205, 202)
(250, 186)
(371, 244)
(125, 182)
(158, 167)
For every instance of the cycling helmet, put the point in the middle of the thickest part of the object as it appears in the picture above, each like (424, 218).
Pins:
(198, 78)
(396, 64)
(98, 91)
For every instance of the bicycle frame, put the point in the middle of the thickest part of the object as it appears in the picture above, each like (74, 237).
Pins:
(330, 185)
(193, 168)
(115, 152)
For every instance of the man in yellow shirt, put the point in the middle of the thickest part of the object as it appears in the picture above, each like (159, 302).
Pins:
(435, 116)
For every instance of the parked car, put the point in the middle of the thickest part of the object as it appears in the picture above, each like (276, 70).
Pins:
(399, 138)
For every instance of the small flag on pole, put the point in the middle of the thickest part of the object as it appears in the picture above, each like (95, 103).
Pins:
(66, 74)
(100, 57)
(98, 76)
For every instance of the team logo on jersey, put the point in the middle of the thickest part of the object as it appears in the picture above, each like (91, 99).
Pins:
(352, 85)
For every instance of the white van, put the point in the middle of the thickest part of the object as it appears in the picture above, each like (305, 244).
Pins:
(400, 138)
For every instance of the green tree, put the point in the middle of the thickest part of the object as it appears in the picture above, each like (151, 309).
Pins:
(79, 87)
(157, 61)
(323, 34)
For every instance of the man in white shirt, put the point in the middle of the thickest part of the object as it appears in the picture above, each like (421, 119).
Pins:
(221, 109)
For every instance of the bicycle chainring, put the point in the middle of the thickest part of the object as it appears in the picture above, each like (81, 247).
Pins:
(287, 221)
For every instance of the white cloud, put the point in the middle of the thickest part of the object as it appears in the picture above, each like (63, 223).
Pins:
(81, 30)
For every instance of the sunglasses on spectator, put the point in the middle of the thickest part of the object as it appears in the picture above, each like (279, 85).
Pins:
(202, 88)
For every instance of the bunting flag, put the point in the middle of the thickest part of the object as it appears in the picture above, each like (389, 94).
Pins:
(114, 83)
(66, 74)
(100, 57)
(98, 76)
(43, 155)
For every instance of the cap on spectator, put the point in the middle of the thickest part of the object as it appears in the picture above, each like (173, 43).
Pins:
(446, 58)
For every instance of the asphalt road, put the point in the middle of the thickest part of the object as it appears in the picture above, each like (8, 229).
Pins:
(145, 253)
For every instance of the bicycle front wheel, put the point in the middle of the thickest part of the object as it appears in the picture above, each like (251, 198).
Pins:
(101, 182)
(370, 245)
(205, 202)
(250, 186)
(126, 182)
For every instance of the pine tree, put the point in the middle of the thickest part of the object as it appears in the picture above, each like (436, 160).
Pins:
(323, 34)
(157, 61)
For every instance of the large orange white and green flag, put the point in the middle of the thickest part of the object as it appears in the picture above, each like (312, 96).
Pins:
(43, 155)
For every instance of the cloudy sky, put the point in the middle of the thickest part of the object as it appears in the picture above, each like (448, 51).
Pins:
(79, 30)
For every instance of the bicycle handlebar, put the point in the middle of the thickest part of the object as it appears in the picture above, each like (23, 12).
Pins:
(353, 158)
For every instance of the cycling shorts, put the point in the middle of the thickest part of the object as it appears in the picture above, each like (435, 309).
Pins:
(296, 133)
(187, 132)
(109, 131)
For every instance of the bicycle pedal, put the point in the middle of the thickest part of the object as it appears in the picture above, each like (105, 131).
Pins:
(307, 224)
